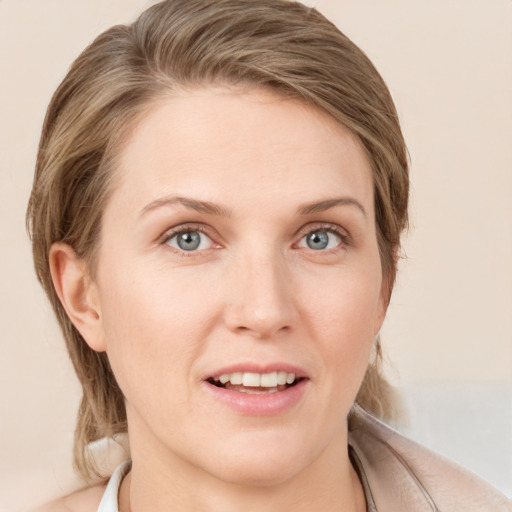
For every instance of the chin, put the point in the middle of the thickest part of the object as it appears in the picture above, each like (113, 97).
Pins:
(258, 475)
(262, 464)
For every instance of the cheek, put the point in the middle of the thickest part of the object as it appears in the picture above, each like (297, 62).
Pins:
(153, 329)
(344, 318)
(345, 300)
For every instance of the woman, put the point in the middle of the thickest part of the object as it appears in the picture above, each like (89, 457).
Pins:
(216, 216)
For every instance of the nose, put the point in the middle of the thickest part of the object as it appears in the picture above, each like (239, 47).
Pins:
(261, 300)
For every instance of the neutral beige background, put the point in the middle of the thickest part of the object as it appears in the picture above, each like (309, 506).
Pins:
(449, 330)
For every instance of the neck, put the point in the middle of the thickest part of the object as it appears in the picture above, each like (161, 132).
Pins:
(160, 481)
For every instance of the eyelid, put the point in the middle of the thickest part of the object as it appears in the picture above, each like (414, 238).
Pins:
(346, 239)
(184, 228)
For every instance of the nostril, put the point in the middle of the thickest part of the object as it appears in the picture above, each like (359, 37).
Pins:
(261, 316)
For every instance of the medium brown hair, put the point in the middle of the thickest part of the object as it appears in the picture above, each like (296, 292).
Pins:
(275, 44)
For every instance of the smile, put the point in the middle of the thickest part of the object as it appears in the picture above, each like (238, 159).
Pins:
(255, 383)
(258, 393)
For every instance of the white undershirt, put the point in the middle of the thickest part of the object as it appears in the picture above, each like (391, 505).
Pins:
(109, 502)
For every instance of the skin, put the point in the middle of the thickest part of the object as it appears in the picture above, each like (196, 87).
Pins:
(254, 292)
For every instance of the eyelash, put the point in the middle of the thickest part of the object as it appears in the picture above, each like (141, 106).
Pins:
(184, 228)
(346, 240)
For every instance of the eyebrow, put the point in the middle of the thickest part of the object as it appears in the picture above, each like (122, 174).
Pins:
(193, 204)
(215, 209)
(327, 204)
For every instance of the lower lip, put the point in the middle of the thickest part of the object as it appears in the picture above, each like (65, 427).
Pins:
(261, 404)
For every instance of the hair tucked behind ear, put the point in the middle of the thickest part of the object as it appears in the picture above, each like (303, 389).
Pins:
(276, 44)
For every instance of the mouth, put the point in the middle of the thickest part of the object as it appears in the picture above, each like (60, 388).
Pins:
(256, 383)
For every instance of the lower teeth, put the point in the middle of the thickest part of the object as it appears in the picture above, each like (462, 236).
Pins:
(254, 390)
(251, 390)
(257, 391)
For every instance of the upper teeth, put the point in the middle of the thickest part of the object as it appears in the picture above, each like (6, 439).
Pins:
(264, 380)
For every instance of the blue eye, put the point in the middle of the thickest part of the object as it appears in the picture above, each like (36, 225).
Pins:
(320, 239)
(188, 241)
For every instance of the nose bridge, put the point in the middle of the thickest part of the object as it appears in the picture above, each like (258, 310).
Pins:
(262, 300)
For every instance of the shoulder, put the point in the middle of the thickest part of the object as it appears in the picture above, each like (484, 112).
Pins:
(111, 456)
(403, 475)
(85, 500)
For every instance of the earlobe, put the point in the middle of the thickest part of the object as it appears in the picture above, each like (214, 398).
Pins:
(77, 293)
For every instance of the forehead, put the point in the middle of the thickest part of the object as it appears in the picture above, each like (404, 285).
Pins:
(209, 141)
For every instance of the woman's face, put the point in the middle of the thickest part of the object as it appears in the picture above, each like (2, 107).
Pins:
(238, 285)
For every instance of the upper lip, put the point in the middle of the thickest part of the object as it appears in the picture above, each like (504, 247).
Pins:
(258, 368)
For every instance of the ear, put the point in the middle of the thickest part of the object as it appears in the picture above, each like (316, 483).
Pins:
(78, 294)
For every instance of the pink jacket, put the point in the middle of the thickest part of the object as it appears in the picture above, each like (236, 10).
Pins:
(403, 476)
